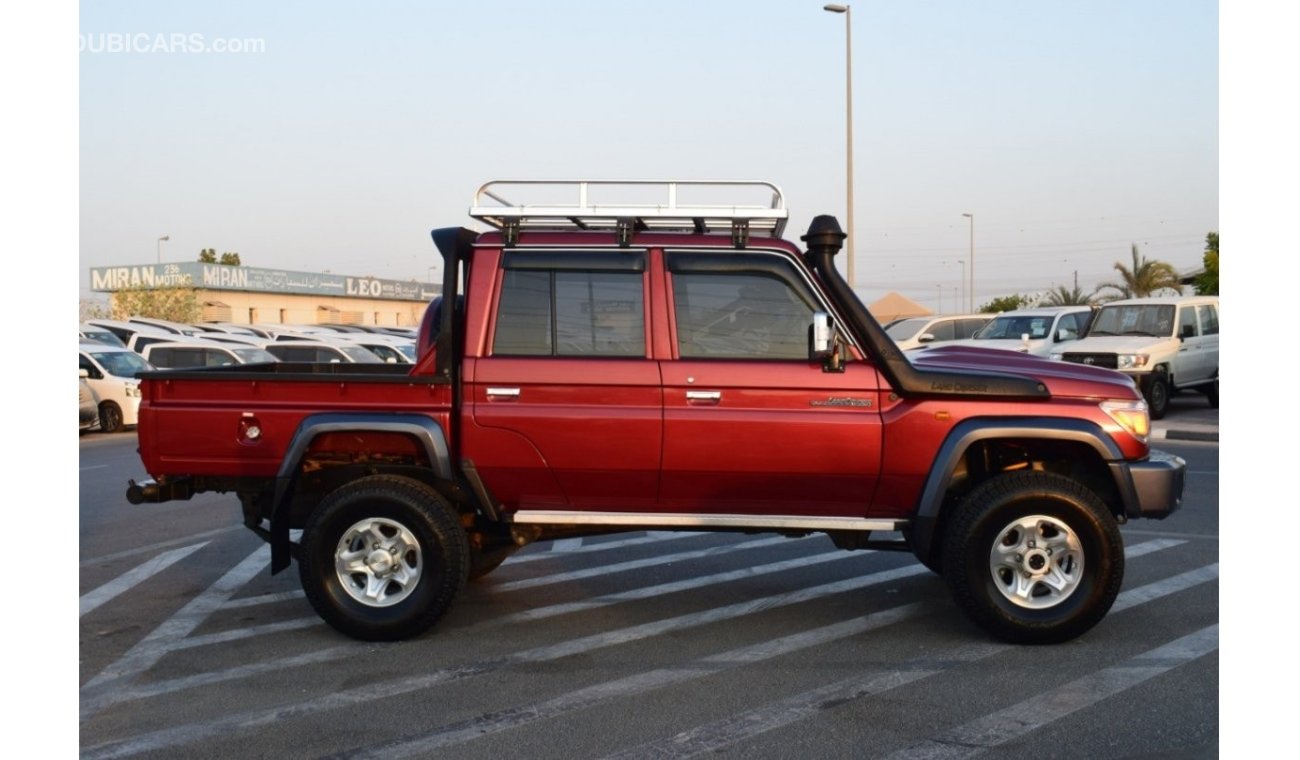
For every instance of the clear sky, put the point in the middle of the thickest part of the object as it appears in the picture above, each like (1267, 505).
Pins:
(1070, 129)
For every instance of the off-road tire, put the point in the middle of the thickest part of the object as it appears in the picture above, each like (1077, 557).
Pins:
(1001, 517)
(383, 557)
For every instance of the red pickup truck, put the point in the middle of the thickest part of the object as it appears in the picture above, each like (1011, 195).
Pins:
(600, 367)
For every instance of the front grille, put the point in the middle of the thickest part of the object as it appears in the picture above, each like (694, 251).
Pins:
(1096, 360)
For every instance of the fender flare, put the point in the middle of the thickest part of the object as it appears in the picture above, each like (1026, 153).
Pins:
(428, 432)
(970, 432)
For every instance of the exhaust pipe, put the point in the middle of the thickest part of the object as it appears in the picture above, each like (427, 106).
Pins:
(153, 492)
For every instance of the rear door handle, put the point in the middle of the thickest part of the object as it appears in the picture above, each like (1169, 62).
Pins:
(704, 397)
(503, 393)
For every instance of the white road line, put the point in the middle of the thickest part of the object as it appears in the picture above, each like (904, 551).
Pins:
(983, 734)
(501, 720)
(206, 679)
(649, 538)
(101, 689)
(95, 467)
(565, 545)
(93, 599)
(155, 547)
(185, 734)
(719, 734)
(660, 559)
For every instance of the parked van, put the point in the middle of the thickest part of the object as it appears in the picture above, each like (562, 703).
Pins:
(111, 371)
(1165, 344)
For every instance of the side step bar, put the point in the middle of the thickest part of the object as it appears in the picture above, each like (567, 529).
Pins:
(660, 519)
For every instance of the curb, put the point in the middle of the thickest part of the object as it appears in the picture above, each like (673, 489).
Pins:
(1211, 436)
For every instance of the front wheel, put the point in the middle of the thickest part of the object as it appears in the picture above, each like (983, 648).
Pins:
(1034, 558)
(383, 558)
(1158, 396)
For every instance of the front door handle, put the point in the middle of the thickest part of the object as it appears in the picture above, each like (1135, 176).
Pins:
(503, 393)
(704, 397)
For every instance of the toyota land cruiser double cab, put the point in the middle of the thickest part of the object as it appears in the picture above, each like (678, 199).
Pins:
(668, 362)
(1165, 344)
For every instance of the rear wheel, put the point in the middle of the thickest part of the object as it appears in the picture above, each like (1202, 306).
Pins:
(1212, 392)
(383, 558)
(1034, 558)
(110, 417)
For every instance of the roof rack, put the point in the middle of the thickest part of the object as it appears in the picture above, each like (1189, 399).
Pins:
(577, 209)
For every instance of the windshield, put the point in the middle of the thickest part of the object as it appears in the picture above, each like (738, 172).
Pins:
(254, 355)
(121, 363)
(1135, 319)
(906, 328)
(1012, 327)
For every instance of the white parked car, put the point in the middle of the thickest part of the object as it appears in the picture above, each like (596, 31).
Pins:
(1164, 344)
(1038, 330)
(915, 332)
(200, 353)
(110, 371)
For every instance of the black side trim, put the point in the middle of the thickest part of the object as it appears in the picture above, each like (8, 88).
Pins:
(424, 429)
(969, 432)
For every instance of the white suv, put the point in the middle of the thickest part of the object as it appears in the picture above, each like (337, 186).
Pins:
(1038, 330)
(1164, 344)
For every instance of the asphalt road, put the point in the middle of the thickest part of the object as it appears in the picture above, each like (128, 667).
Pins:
(633, 645)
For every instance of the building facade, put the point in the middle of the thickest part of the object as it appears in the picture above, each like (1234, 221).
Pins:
(251, 295)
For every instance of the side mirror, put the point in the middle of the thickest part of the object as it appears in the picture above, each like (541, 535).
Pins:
(1188, 331)
(925, 338)
(82, 371)
(825, 344)
(823, 335)
(1063, 334)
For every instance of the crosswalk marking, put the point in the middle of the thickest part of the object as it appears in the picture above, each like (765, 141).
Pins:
(93, 599)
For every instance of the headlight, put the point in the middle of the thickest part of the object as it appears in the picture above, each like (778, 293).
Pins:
(1057, 357)
(133, 391)
(1131, 361)
(1131, 415)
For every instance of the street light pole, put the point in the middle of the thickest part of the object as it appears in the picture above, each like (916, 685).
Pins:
(971, 217)
(848, 124)
(962, 303)
(162, 240)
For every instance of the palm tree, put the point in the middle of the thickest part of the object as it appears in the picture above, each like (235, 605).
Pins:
(1145, 278)
(1063, 296)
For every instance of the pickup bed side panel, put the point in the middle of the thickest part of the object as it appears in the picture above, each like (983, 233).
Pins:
(224, 426)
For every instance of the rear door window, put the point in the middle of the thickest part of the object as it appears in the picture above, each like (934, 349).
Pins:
(572, 305)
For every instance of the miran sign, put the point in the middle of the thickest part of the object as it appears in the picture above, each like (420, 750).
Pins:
(193, 274)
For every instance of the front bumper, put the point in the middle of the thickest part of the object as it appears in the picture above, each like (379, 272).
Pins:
(1154, 485)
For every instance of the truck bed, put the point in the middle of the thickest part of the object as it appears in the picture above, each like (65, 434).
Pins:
(198, 422)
